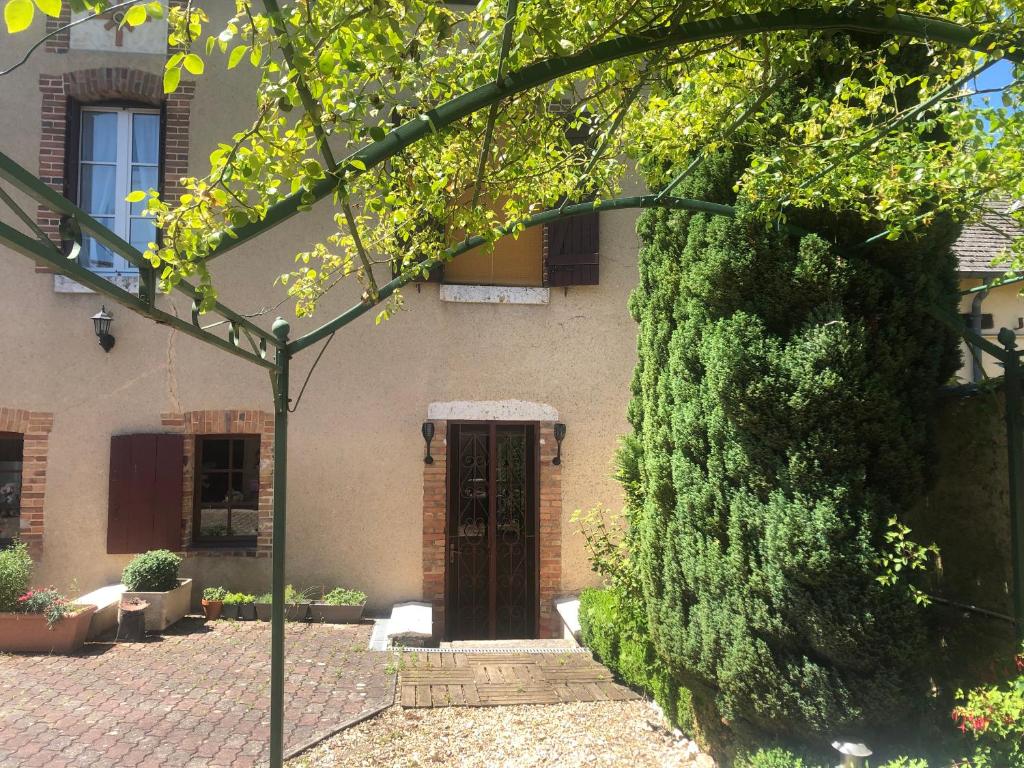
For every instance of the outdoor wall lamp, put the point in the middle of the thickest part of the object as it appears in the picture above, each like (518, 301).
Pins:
(559, 437)
(428, 435)
(854, 755)
(101, 323)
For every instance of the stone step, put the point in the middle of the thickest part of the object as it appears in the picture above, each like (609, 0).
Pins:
(106, 600)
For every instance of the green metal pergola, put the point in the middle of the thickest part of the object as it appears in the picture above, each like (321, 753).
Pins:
(273, 349)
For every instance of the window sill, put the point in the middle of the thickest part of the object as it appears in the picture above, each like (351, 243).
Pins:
(64, 284)
(494, 294)
(204, 550)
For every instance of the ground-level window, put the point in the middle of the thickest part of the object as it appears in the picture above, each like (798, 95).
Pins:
(227, 490)
(118, 152)
(11, 453)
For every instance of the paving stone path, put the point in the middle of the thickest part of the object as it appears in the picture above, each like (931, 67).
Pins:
(433, 679)
(197, 696)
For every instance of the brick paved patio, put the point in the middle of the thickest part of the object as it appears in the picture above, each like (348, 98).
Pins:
(196, 696)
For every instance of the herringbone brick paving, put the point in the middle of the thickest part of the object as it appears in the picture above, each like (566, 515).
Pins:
(197, 696)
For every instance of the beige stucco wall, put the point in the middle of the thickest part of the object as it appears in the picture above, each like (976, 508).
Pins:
(1006, 306)
(355, 464)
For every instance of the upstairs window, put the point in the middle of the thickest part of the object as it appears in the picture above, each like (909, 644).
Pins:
(227, 490)
(118, 151)
(11, 454)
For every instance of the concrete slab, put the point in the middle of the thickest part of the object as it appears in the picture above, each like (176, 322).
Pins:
(411, 624)
(106, 600)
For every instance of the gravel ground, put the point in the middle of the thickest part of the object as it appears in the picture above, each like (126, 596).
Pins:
(598, 735)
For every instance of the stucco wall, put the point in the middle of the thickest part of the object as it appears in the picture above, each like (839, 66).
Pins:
(1006, 306)
(355, 465)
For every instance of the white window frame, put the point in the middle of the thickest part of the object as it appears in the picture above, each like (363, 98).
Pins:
(123, 179)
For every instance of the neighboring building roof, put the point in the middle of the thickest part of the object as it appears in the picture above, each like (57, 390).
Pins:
(987, 239)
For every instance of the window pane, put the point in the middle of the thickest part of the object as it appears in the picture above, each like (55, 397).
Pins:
(213, 488)
(143, 232)
(248, 488)
(94, 255)
(146, 139)
(144, 178)
(99, 136)
(98, 185)
(244, 522)
(213, 523)
(215, 453)
(10, 487)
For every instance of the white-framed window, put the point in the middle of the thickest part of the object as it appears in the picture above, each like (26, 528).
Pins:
(119, 151)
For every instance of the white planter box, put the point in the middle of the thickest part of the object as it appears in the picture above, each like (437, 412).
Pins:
(165, 608)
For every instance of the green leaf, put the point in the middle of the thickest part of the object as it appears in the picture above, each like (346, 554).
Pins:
(50, 7)
(136, 16)
(18, 15)
(194, 64)
(236, 55)
(135, 197)
(377, 133)
(172, 77)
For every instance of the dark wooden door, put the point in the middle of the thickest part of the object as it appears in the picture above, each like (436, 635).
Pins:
(492, 531)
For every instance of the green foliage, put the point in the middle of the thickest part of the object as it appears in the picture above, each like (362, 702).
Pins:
(771, 758)
(153, 571)
(265, 599)
(15, 574)
(49, 602)
(342, 596)
(613, 629)
(215, 594)
(239, 598)
(781, 419)
(293, 595)
(994, 717)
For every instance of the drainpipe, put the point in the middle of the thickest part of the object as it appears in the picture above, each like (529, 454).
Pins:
(976, 370)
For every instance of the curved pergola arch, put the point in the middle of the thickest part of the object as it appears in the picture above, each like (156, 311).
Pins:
(540, 73)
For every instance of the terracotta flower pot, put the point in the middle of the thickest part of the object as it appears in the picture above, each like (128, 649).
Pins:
(212, 608)
(29, 633)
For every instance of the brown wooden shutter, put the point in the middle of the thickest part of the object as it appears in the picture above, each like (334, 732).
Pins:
(572, 246)
(572, 250)
(146, 476)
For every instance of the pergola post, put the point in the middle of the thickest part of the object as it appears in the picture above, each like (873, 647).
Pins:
(280, 386)
(1015, 455)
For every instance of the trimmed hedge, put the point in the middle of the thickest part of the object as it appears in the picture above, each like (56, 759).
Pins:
(618, 638)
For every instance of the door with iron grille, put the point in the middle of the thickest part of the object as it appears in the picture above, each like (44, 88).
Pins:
(492, 531)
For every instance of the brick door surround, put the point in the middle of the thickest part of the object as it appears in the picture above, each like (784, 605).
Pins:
(34, 427)
(549, 510)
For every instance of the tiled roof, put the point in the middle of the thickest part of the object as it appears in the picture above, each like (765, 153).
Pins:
(987, 239)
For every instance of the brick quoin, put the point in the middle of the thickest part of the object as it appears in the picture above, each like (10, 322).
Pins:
(96, 86)
(549, 529)
(242, 422)
(35, 427)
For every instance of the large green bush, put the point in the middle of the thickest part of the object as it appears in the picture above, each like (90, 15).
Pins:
(780, 417)
(153, 571)
(614, 630)
(15, 573)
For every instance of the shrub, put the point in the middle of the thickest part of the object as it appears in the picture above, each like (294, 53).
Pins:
(994, 717)
(49, 602)
(15, 573)
(154, 571)
(342, 596)
(215, 594)
(771, 758)
(613, 629)
(265, 599)
(239, 598)
(781, 415)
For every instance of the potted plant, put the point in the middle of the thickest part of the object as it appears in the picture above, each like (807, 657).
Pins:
(213, 602)
(296, 605)
(230, 611)
(246, 607)
(153, 577)
(263, 603)
(36, 620)
(339, 606)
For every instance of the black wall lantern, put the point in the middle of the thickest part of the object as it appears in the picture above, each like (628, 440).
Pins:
(101, 323)
(428, 435)
(559, 437)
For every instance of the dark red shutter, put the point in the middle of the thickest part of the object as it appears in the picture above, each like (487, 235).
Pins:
(144, 508)
(572, 251)
(573, 245)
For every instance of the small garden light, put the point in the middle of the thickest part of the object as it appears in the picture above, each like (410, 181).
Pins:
(559, 437)
(428, 435)
(854, 755)
(101, 323)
